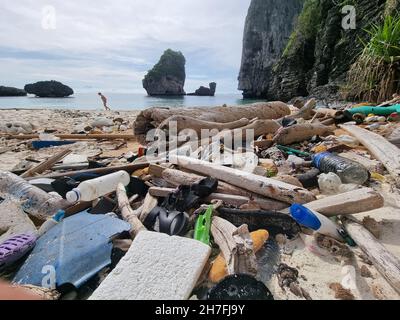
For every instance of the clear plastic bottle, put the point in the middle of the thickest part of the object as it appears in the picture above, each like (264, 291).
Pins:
(90, 190)
(50, 223)
(33, 200)
(349, 171)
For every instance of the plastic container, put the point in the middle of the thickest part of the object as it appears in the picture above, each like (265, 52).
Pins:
(349, 171)
(315, 221)
(50, 223)
(90, 190)
(33, 200)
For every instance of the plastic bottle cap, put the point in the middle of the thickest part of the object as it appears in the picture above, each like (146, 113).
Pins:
(305, 216)
(73, 196)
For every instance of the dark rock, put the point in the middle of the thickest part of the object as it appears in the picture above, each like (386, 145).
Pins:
(269, 24)
(11, 92)
(49, 89)
(168, 76)
(203, 91)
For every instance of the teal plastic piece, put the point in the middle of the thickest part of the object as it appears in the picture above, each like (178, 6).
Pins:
(203, 226)
(293, 151)
(379, 111)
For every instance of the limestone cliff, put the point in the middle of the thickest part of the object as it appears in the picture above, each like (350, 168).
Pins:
(269, 24)
(317, 55)
(168, 76)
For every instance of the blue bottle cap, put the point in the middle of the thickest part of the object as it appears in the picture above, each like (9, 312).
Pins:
(305, 216)
(59, 215)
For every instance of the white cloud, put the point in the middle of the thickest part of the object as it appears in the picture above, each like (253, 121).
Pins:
(107, 43)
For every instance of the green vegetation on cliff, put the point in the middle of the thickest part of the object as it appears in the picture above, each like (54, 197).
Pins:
(307, 26)
(172, 64)
(375, 75)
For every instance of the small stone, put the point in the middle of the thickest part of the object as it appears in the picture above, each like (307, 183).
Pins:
(365, 272)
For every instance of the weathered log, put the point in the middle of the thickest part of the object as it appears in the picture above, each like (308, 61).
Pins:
(236, 246)
(46, 164)
(127, 213)
(380, 148)
(385, 262)
(260, 185)
(129, 168)
(332, 113)
(301, 132)
(185, 122)
(151, 118)
(225, 191)
(352, 202)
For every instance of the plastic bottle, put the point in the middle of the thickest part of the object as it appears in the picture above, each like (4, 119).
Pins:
(349, 171)
(50, 223)
(33, 200)
(315, 221)
(92, 189)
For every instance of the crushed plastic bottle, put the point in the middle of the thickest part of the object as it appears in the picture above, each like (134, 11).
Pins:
(90, 190)
(330, 184)
(349, 171)
(33, 200)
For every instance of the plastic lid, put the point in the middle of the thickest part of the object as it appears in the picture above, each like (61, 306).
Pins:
(73, 196)
(305, 216)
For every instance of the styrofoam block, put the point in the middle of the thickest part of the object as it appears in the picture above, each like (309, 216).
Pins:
(156, 267)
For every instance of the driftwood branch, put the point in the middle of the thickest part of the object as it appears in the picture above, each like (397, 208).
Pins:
(45, 165)
(352, 202)
(306, 112)
(258, 184)
(380, 148)
(236, 246)
(300, 133)
(127, 213)
(185, 122)
(386, 263)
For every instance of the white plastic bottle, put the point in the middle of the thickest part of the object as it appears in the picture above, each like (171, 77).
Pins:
(92, 189)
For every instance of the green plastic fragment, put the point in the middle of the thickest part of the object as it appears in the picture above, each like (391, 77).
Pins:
(203, 226)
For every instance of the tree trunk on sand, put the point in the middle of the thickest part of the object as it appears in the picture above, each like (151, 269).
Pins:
(151, 118)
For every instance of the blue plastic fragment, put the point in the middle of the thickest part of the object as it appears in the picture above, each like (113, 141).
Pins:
(47, 144)
(73, 251)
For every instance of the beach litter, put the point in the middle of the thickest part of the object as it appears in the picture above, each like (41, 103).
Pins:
(305, 206)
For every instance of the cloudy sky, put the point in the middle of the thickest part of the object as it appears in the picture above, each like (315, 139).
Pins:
(109, 45)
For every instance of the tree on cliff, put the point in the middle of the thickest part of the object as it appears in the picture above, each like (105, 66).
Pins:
(168, 76)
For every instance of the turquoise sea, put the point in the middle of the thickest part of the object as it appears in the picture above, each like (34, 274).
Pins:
(119, 101)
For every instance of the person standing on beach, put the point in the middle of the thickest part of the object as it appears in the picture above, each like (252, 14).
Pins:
(104, 99)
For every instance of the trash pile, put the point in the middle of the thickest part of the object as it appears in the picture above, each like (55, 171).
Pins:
(304, 207)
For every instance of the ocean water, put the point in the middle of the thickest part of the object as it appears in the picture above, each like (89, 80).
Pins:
(119, 101)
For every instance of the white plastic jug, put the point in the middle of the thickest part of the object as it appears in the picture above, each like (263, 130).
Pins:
(92, 189)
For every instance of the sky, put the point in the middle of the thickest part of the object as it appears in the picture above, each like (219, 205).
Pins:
(110, 45)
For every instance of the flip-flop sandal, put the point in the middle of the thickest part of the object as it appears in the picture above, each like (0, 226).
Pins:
(15, 248)
(240, 287)
(171, 222)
